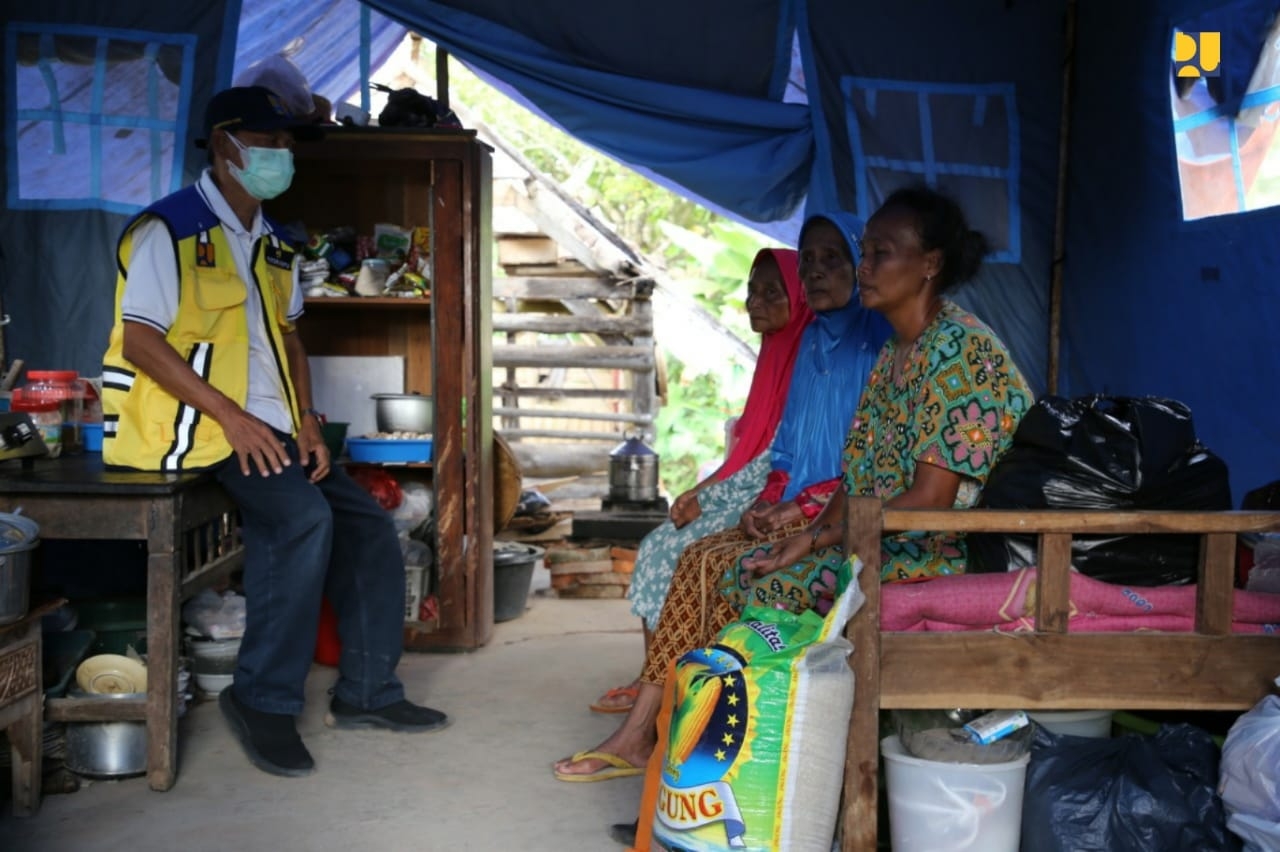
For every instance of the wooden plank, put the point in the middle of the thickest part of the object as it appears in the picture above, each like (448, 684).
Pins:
(95, 709)
(1164, 671)
(570, 324)
(1079, 522)
(583, 357)
(537, 248)
(567, 434)
(563, 414)
(1216, 584)
(70, 516)
(1053, 583)
(367, 303)
(165, 560)
(557, 289)
(567, 393)
(862, 765)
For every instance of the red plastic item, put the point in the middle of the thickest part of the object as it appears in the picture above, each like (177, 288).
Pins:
(328, 645)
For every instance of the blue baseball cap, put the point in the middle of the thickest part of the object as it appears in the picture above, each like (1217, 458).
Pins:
(252, 108)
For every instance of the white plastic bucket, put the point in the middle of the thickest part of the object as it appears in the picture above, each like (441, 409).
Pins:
(1077, 723)
(948, 807)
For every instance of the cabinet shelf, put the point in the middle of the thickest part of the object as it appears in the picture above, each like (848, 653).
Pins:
(443, 181)
(374, 302)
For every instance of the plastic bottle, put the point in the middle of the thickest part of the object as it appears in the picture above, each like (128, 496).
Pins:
(45, 414)
(62, 387)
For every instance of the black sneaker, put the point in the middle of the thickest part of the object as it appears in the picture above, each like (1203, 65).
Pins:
(270, 740)
(624, 832)
(401, 716)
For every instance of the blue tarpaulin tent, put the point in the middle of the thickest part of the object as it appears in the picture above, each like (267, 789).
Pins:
(1148, 246)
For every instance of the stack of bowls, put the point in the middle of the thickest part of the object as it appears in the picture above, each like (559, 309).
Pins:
(213, 662)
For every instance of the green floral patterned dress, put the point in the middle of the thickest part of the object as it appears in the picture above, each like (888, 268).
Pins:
(959, 401)
(956, 406)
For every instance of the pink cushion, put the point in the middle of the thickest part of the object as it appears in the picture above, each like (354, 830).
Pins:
(1000, 602)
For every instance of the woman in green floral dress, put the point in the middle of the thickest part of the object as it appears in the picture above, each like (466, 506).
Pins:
(939, 409)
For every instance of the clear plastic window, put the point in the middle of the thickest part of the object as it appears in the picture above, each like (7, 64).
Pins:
(1226, 143)
(99, 116)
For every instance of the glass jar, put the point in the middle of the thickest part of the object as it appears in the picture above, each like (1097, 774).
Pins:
(62, 387)
(45, 414)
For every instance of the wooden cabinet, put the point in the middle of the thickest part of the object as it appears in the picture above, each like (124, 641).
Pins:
(443, 180)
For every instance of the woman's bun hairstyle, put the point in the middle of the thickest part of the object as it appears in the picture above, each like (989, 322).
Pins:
(941, 224)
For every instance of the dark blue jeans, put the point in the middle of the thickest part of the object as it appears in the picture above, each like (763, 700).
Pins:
(303, 541)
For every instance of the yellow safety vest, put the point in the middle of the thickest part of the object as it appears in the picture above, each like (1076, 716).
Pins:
(144, 426)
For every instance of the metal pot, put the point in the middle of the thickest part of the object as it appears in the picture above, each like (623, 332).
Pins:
(633, 472)
(404, 412)
(107, 749)
(18, 537)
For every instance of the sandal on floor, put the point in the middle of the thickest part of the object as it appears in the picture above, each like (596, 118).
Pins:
(631, 692)
(615, 767)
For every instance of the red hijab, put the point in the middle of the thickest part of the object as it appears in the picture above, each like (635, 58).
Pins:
(763, 409)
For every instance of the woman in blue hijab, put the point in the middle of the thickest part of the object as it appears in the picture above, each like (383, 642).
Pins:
(836, 354)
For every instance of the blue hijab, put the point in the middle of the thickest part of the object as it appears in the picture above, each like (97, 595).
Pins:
(837, 352)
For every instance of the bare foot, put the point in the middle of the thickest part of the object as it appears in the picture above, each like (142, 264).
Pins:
(627, 749)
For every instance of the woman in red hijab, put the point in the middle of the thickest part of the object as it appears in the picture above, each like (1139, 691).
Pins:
(776, 306)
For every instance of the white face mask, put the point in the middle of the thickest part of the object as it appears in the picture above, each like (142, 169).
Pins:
(267, 172)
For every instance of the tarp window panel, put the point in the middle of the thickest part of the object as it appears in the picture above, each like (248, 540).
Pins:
(1225, 138)
(77, 135)
(904, 132)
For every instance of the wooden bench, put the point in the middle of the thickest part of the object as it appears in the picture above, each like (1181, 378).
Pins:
(1050, 668)
(190, 529)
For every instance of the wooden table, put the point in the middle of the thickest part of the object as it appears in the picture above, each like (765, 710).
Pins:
(189, 525)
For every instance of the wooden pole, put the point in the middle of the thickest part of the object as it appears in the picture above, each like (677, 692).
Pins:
(1060, 211)
(442, 79)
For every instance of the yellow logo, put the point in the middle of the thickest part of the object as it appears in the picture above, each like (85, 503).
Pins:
(1197, 54)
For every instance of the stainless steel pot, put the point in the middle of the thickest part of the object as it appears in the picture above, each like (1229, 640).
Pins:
(404, 412)
(18, 537)
(633, 472)
(107, 749)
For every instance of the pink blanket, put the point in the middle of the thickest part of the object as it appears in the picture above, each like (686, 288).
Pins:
(1005, 602)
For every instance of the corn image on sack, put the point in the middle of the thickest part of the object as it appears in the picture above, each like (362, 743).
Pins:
(755, 748)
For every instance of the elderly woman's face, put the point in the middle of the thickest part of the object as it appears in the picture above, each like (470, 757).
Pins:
(826, 267)
(768, 305)
(893, 267)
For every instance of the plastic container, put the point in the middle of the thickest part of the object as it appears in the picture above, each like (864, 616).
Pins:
(948, 807)
(66, 389)
(328, 645)
(61, 653)
(19, 535)
(1076, 723)
(412, 591)
(46, 416)
(513, 565)
(118, 622)
(405, 450)
(92, 435)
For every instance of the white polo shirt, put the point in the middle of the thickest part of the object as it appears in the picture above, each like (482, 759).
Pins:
(151, 296)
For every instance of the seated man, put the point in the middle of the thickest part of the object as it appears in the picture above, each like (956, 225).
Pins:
(205, 371)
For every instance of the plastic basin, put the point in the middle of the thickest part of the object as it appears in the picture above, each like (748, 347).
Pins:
(1075, 723)
(405, 450)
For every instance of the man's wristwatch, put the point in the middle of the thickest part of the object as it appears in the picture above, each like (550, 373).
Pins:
(314, 413)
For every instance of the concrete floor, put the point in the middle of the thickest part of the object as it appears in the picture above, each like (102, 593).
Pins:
(482, 784)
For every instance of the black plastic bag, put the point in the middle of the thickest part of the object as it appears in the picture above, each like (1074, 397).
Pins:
(1128, 794)
(1110, 453)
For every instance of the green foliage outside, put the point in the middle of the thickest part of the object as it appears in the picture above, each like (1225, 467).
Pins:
(706, 255)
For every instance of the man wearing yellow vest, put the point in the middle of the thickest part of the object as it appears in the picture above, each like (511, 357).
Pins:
(205, 370)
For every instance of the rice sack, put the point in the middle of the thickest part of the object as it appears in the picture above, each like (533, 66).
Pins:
(756, 746)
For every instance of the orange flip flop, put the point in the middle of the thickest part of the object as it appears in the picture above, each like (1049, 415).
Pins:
(631, 692)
